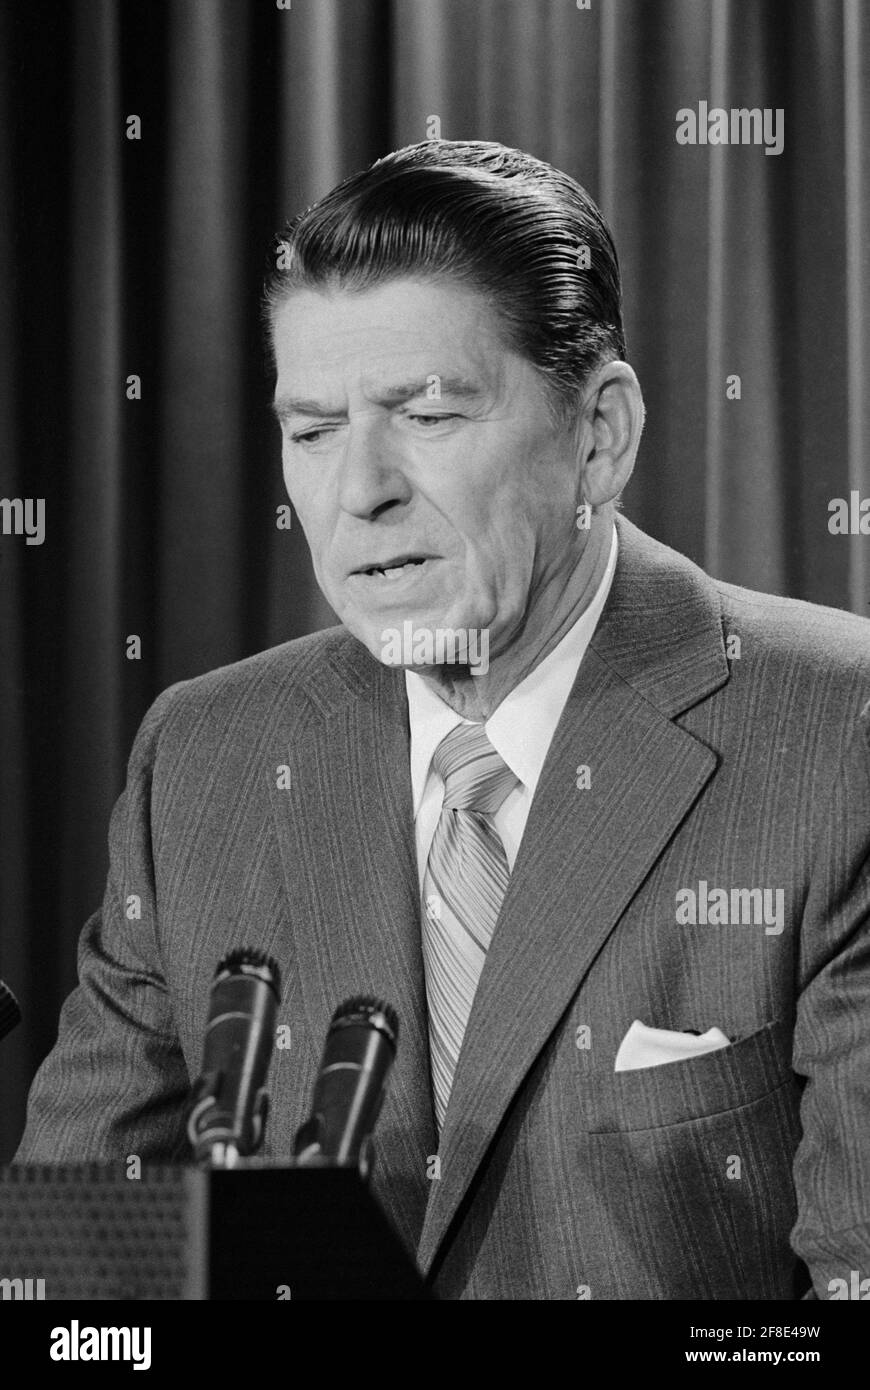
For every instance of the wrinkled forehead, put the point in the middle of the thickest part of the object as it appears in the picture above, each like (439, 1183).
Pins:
(436, 335)
(415, 306)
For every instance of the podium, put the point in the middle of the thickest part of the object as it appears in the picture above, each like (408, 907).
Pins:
(257, 1231)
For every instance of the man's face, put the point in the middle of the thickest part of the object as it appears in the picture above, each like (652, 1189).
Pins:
(411, 432)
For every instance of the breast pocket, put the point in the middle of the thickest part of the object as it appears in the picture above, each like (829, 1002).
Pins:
(675, 1092)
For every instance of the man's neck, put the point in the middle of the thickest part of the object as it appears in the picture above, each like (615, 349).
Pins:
(555, 612)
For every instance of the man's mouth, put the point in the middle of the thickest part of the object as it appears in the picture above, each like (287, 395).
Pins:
(395, 568)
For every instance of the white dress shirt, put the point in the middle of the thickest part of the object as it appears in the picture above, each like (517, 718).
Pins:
(520, 730)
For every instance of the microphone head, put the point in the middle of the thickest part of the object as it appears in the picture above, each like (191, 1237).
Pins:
(10, 1012)
(366, 1009)
(249, 961)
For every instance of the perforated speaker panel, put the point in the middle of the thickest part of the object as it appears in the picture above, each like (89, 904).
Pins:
(89, 1231)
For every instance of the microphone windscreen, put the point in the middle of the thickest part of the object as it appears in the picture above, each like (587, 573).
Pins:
(364, 1008)
(10, 1013)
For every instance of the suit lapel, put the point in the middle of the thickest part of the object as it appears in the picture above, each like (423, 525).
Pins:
(657, 650)
(346, 837)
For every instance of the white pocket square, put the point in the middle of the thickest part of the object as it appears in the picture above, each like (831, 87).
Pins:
(653, 1047)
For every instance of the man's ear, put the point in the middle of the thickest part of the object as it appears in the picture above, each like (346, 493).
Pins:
(612, 423)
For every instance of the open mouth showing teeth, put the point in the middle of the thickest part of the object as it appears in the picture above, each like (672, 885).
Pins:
(394, 571)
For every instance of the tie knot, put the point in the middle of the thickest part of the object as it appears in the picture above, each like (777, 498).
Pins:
(476, 777)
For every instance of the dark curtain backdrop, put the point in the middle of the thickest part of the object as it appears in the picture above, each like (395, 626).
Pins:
(146, 256)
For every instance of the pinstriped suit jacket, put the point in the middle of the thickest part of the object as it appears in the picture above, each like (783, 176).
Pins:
(744, 1173)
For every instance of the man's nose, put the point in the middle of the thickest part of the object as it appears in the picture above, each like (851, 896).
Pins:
(372, 471)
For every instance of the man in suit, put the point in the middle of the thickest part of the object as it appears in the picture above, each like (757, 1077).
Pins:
(612, 872)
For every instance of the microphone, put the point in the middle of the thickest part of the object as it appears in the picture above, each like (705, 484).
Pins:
(10, 1013)
(349, 1091)
(229, 1104)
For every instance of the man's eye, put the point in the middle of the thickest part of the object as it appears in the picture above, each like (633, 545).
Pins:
(308, 436)
(432, 419)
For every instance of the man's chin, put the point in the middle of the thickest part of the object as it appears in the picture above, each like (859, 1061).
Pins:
(428, 645)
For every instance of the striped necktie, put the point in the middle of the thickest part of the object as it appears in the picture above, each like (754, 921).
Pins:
(463, 887)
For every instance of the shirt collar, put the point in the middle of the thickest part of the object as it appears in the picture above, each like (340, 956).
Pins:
(522, 727)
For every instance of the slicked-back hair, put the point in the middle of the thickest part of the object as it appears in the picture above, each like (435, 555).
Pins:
(512, 228)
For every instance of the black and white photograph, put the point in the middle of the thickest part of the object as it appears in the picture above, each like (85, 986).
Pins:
(435, 664)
